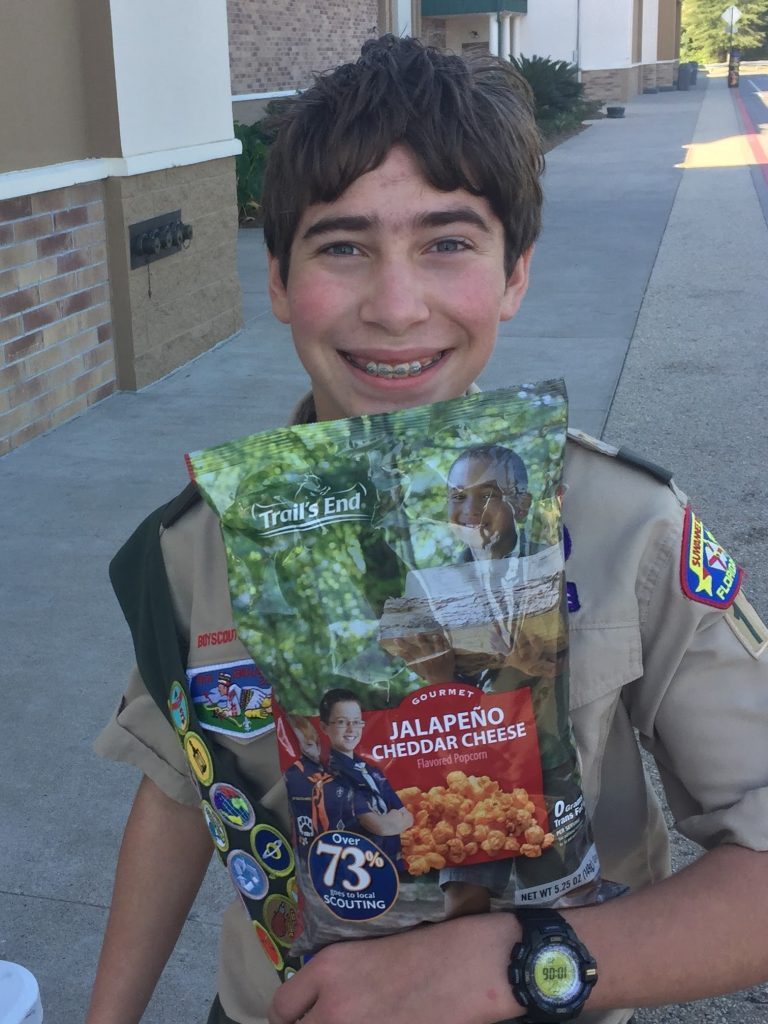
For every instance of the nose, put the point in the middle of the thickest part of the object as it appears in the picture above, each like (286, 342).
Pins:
(476, 507)
(395, 299)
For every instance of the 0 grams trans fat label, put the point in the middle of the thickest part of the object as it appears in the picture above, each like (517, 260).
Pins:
(708, 574)
(232, 697)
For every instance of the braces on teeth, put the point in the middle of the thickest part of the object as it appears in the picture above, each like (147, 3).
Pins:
(400, 370)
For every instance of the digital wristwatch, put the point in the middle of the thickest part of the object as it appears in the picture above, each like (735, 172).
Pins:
(551, 972)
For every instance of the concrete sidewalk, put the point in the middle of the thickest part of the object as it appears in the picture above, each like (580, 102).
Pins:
(639, 261)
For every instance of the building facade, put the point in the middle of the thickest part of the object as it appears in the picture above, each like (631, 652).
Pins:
(112, 113)
(276, 46)
(622, 47)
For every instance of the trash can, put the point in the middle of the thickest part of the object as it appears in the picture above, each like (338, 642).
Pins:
(19, 995)
(683, 77)
(693, 65)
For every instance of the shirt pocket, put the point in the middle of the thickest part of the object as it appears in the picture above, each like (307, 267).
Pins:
(603, 657)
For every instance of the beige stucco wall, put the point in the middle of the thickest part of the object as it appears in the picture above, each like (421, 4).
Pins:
(57, 98)
(669, 30)
(178, 307)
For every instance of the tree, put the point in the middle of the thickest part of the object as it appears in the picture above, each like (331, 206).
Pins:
(705, 35)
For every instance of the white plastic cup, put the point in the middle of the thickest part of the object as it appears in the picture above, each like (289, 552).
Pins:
(19, 995)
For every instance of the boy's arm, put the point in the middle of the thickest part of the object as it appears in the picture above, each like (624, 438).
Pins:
(701, 932)
(163, 859)
(390, 823)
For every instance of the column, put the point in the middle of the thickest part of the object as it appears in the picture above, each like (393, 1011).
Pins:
(493, 34)
(515, 47)
(506, 40)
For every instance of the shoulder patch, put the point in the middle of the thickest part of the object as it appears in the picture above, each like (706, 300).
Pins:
(708, 574)
(181, 504)
(747, 626)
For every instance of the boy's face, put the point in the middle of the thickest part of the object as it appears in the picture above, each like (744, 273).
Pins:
(345, 727)
(477, 501)
(395, 291)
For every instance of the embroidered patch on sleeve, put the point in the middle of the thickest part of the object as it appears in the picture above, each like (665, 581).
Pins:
(708, 574)
(746, 624)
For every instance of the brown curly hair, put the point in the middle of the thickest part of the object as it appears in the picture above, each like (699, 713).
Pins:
(468, 123)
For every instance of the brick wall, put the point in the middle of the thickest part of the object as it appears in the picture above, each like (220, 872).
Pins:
(56, 352)
(612, 85)
(666, 74)
(649, 77)
(275, 45)
(434, 32)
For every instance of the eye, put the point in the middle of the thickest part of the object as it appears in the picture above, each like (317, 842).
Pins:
(448, 245)
(340, 249)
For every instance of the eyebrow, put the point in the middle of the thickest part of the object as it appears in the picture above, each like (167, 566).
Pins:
(432, 219)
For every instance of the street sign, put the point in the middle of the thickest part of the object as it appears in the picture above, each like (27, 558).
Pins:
(730, 16)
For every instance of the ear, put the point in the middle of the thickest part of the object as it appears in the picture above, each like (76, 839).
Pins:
(522, 506)
(517, 285)
(277, 291)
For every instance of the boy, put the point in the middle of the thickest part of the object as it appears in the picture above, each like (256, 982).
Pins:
(402, 202)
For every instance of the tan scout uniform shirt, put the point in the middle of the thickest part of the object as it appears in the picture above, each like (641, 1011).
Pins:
(643, 657)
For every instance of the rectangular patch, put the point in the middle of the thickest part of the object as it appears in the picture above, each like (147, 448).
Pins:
(233, 697)
(749, 629)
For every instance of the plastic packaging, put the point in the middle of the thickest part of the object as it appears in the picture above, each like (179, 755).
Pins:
(399, 579)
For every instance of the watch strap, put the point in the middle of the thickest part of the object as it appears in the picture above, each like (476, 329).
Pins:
(542, 925)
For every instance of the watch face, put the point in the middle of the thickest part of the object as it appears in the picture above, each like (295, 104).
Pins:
(555, 976)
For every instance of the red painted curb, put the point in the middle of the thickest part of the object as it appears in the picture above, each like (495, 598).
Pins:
(754, 137)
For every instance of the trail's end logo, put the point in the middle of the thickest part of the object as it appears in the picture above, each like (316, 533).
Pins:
(325, 508)
(708, 574)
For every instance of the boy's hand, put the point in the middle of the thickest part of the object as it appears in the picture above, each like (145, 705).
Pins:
(426, 654)
(449, 973)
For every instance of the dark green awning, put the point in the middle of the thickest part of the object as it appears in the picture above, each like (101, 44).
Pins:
(443, 8)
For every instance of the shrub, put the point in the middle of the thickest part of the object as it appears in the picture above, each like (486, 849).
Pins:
(558, 94)
(249, 171)
(250, 164)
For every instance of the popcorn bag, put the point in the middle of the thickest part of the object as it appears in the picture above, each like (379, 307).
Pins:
(399, 580)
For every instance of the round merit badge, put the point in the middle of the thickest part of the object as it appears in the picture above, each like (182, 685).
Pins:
(199, 758)
(232, 805)
(281, 918)
(179, 708)
(215, 827)
(272, 850)
(268, 945)
(248, 877)
(352, 876)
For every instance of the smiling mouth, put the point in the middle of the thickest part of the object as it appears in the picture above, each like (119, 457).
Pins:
(399, 370)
